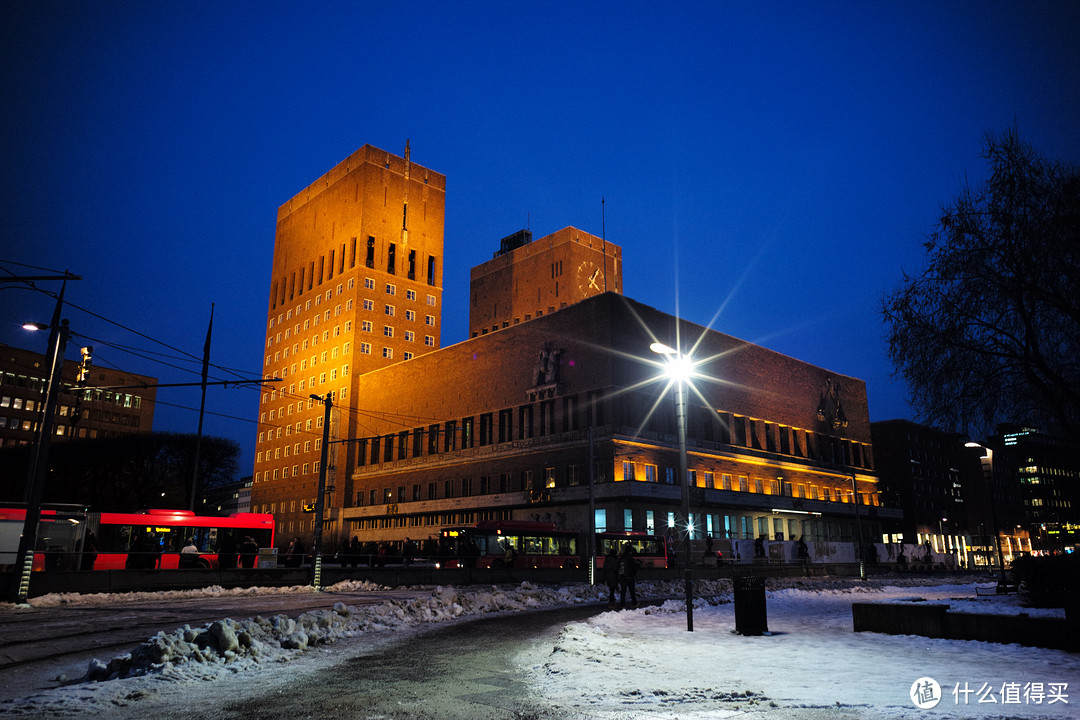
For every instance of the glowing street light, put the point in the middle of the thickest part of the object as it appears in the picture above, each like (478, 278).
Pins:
(679, 369)
(987, 462)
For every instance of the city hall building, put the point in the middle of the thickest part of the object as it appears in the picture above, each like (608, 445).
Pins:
(527, 422)
(554, 409)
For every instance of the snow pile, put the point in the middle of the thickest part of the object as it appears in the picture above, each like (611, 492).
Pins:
(56, 599)
(234, 645)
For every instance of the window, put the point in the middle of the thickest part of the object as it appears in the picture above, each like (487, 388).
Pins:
(650, 473)
(408, 355)
(369, 305)
(600, 520)
(388, 331)
(389, 310)
(627, 471)
(370, 259)
(388, 353)
(391, 255)
(365, 348)
(410, 335)
(369, 283)
(410, 315)
(410, 294)
(429, 320)
(391, 289)
(366, 326)
(429, 341)
(431, 300)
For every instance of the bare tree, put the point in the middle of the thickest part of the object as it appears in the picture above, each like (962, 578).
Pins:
(989, 331)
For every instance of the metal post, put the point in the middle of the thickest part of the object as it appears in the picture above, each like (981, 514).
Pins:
(24, 560)
(320, 499)
(680, 412)
(858, 529)
(590, 541)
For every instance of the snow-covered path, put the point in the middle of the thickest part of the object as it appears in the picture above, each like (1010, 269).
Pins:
(630, 664)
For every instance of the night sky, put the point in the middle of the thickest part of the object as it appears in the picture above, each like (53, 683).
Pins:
(769, 168)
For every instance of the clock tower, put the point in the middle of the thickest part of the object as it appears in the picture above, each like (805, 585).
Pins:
(528, 279)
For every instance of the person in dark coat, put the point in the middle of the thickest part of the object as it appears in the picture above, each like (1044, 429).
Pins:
(628, 567)
(227, 553)
(249, 551)
(90, 552)
(294, 556)
(611, 575)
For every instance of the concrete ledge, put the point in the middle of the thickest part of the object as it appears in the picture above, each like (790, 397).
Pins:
(937, 622)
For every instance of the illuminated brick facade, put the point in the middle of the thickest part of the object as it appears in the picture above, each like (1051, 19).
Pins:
(528, 279)
(498, 427)
(356, 285)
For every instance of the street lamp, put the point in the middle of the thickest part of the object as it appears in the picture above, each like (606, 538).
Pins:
(987, 462)
(680, 369)
(24, 559)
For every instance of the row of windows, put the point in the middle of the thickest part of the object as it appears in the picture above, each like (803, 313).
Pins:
(486, 429)
(64, 411)
(571, 475)
(288, 287)
(317, 300)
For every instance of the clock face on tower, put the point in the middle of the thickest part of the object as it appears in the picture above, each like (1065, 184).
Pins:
(590, 279)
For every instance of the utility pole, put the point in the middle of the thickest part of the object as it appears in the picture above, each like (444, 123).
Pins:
(24, 559)
(320, 499)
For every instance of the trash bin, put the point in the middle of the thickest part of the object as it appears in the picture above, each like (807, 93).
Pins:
(750, 613)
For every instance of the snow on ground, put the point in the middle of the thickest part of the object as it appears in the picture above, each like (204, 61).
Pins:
(628, 664)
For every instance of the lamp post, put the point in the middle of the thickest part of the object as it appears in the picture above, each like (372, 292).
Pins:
(679, 369)
(320, 498)
(24, 559)
(858, 529)
(987, 462)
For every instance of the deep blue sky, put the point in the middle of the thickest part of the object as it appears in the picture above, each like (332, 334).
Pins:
(777, 162)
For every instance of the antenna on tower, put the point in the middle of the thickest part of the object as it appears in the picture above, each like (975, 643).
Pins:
(603, 221)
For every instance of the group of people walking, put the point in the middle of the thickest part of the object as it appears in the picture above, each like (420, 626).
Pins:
(620, 575)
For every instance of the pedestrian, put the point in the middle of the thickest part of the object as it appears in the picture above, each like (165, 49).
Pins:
(628, 567)
(90, 551)
(719, 559)
(759, 546)
(227, 553)
(611, 575)
(353, 551)
(804, 551)
(294, 556)
(249, 550)
(708, 546)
